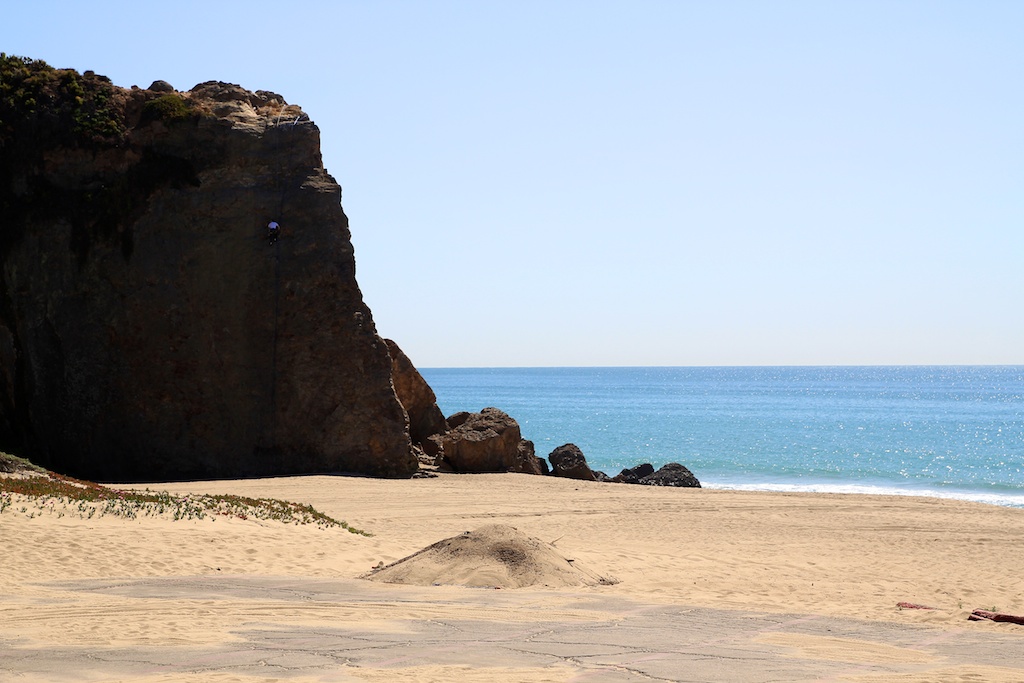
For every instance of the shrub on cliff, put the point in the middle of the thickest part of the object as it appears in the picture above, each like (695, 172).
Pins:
(166, 108)
(47, 106)
(43, 109)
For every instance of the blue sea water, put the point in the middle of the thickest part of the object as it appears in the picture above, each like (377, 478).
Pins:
(948, 431)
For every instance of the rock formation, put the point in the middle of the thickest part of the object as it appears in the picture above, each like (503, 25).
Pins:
(527, 461)
(633, 475)
(568, 461)
(425, 418)
(488, 441)
(148, 329)
(672, 474)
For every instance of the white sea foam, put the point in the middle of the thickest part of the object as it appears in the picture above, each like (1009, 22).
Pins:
(1015, 500)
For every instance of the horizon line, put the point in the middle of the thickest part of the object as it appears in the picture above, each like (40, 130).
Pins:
(777, 365)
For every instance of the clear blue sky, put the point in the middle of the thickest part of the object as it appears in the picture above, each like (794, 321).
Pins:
(636, 183)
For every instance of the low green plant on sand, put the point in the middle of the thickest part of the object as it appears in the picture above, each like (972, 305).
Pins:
(34, 491)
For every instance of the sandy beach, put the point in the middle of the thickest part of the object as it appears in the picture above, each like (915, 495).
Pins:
(710, 585)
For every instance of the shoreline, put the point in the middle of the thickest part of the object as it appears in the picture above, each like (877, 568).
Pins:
(952, 430)
(832, 560)
(1008, 500)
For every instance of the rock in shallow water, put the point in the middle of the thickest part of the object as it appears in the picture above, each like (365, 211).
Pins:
(672, 474)
(633, 475)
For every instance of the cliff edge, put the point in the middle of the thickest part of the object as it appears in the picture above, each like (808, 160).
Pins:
(150, 328)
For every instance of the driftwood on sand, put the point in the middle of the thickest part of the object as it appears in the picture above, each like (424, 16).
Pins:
(985, 615)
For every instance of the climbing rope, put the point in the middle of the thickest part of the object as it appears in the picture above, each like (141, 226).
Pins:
(276, 243)
(273, 354)
(279, 218)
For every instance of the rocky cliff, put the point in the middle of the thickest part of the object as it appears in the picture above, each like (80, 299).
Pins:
(149, 329)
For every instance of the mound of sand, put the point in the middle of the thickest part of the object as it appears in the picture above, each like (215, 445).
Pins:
(495, 555)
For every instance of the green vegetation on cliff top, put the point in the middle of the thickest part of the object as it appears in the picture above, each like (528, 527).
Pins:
(55, 106)
(43, 109)
(47, 106)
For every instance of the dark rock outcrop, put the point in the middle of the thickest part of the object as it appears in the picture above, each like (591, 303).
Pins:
(418, 399)
(456, 420)
(633, 475)
(568, 461)
(672, 474)
(527, 461)
(488, 441)
(148, 329)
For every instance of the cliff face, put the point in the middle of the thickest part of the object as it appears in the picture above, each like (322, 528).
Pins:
(149, 329)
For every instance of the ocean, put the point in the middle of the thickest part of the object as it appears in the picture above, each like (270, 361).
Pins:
(947, 431)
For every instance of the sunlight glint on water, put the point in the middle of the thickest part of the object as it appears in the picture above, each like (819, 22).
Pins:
(950, 431)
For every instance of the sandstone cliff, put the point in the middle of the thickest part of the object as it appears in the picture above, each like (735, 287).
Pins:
(149, 330)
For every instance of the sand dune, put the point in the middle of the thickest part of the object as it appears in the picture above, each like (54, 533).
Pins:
(490, 556)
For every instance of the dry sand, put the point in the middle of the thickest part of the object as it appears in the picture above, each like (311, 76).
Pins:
(712, 585)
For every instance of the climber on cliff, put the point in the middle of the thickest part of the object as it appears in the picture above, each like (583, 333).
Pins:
(272, 230)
